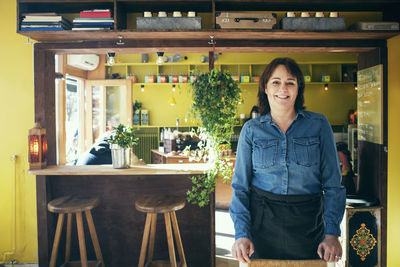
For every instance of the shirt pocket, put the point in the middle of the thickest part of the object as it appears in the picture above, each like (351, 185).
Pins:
(306, 150)
(264, 152)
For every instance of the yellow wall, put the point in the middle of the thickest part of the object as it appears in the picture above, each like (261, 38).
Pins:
(334, 103)
(394, 152)
(16, 109)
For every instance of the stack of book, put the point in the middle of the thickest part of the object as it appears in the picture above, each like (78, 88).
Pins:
(96, 19)
(44, 22)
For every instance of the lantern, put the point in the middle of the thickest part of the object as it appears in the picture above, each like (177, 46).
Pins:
(37, 153)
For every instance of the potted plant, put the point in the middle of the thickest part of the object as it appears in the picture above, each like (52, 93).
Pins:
(121, 142)
(215, 99)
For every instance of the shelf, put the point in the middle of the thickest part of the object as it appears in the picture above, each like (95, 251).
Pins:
(46, 36)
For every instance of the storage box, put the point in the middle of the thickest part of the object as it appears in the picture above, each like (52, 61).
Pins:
(232, 20)
(375, 26)
(168, 23)
(145, 117)
(136, 117)
(314, 24)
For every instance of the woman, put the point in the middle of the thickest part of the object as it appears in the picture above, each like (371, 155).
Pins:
(287, 200)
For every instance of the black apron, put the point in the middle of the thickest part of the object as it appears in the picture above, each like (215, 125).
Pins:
(287, 227)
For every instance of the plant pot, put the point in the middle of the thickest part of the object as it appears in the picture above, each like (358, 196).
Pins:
(121, 156)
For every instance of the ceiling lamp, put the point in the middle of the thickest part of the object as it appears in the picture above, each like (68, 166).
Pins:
(172, 101)
(110, 58)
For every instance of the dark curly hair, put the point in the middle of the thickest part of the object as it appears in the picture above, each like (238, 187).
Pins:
(293, 68)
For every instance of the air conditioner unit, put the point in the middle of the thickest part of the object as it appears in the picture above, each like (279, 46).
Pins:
(83, 62)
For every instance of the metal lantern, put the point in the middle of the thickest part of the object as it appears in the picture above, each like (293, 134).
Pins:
(37, 153)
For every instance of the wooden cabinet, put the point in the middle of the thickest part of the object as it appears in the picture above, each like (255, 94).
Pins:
(126, 11)
(361, 237)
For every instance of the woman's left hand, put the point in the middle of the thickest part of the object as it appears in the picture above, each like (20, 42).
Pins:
(330, 249)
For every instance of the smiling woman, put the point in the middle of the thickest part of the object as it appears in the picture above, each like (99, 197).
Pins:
(284, 159)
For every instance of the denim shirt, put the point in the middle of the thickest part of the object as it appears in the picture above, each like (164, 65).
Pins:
(302, 161)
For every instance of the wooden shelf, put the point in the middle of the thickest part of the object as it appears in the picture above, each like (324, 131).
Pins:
(47, 36)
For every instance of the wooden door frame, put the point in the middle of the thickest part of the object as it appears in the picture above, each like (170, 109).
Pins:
(127, 93)
(44, 76)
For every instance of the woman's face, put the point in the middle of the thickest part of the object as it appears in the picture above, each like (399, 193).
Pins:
(281, 89)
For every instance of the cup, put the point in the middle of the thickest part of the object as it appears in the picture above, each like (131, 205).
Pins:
(305, 14)
(147, 14)
(162, 14)
(191, 14)
(290, 14)
(177, 14)
(333, 14)
(319, 14)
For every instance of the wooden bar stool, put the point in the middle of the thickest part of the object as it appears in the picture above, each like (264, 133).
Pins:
(167, 205)
(75, 205)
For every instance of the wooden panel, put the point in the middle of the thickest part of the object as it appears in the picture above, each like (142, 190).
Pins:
(120, 226)
(204, 35)
(44, 221)
(44, 80)
(372, 163)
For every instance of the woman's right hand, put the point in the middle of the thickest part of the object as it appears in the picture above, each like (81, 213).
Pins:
(242, 249)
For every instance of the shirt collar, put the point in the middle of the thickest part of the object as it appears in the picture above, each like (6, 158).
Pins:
(267, 117)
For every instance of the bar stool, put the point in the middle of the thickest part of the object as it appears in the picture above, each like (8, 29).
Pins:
(75, 205)
(152, 205)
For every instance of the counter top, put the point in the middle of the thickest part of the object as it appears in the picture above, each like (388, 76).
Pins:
(150, 169)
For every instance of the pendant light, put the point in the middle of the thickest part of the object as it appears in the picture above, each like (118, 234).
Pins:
(172, 101)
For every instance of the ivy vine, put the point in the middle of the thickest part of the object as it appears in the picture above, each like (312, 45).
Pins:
(215, 100)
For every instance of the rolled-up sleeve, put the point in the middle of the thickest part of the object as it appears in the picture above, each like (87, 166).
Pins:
(239, 207)
(334, 192)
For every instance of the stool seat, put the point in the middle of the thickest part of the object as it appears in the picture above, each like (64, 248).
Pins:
(75, 205)
(153, 205)
(160, 203)
(72, 204)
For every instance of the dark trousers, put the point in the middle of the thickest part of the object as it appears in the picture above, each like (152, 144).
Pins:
(286, 227)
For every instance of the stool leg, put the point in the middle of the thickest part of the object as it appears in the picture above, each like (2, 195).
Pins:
(144, 240)
(68, 243)
(93, 234)
(57, 236)
(178, 239)
(170, 239)
(81, 237)
(152, 237)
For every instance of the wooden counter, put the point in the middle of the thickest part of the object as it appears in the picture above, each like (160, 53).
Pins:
(158, 157)
(118, 224)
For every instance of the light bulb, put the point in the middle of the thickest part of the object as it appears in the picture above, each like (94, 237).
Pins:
(172, 101)
(160, 59)
(326, 87)
(173, 88)
(110, 58)
(355, 87)
(142, 88)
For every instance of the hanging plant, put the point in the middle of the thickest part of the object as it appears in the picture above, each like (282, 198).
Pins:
(215, 99)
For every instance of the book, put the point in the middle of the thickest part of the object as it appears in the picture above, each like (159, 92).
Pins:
(42, 29)
(44, 23)
(89, 29)
(95, 14)
(93, 20)
(40, 14)
(43, 18)
(94, 24)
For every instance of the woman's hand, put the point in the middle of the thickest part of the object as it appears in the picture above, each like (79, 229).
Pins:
(330, 249)
(242, 249)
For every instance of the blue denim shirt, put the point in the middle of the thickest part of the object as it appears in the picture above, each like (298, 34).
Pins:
(302, 161)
